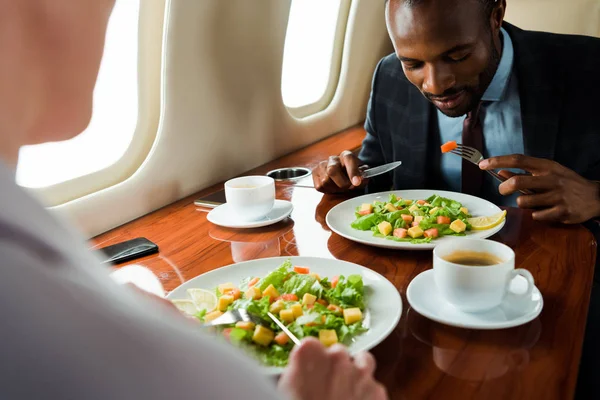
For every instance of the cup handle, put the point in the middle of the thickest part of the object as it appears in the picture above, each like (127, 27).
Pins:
(530, 282)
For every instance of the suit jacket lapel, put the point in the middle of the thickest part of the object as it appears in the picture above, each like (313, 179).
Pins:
(541, 92)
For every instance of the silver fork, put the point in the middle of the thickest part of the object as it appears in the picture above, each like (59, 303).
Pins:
(284, 329)
(473, 155)
(233, 316)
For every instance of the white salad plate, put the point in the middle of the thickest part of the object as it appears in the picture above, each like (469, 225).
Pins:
(341, 216)
(382, 299)
(222, 216)
(424, 298)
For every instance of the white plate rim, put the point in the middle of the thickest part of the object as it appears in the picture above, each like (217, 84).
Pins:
(489, 326)
(390, 244)
(394, 320)
(251, 224)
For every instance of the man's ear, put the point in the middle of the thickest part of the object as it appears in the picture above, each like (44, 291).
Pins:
(497, 16)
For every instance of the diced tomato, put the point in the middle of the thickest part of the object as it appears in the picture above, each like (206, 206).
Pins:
(302, 270)
(322, 302)
(443, 220)
(253, 282)
(281, 339)
(449, 146)
(365, 212)
(415, 223)
(227, 332)
(421, 202)
(400, 233)
(310, 306)
(235, 293)
(287, 297)
(408, 218)
(334, 308)
(334, 281)
(432, 233)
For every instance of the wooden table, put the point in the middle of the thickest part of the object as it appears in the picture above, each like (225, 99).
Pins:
(421, 358)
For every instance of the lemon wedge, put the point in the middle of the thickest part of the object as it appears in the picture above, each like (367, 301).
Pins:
(484, 223)
(188, 307)
(203, 299)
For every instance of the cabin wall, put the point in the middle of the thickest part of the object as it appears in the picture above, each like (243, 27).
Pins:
(221, 111)
(221, 105)
(581, 17)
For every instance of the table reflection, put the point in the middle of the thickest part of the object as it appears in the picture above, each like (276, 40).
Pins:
(256, 243)
(311, 232)
(475, 355)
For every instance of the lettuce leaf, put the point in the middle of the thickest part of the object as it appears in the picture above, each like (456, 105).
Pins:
(276, 277)
(395, 216)
(273, 355)
(409, 239)
(437, 201)
(400, 223)
(366, 222)
(300, 284)
(238, 334)
(244, 283)
(200, 314)
(332, 321)
(346, 332)
(406, 239)
(349, 292)
(259, 308)
(443, 229)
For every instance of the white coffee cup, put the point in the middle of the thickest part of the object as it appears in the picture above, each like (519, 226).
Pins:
(476, 288)
(250, 198)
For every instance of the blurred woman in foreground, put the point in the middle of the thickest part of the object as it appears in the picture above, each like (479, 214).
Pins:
(68, 331)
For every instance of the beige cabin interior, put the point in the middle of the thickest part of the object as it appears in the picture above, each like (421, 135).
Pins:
(211, 104)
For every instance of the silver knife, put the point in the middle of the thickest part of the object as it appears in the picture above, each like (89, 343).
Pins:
(382, 169)
(286, 330)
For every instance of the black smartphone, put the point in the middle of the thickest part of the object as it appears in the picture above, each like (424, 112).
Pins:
(129, 250)
(212, 200)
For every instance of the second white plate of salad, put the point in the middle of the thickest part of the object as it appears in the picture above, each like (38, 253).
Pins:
(414, 219)
(350, 303)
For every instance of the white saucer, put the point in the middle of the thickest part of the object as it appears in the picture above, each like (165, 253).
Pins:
(222, 217)
(424, 298)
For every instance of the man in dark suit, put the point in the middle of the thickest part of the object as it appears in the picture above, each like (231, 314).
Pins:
(527, 100)
(459, 72)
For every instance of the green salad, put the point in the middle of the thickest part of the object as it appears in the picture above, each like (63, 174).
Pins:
(309, 305)
(419, 221)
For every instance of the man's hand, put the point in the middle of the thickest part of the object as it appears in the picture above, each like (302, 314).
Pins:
(338, 174)
(316, 372)
(561, 195)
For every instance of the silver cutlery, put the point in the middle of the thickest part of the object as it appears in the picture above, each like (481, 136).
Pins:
(286, 330)
(233, 316)
(242, 315)
(366, 173)
(474, 156)
(382, 169)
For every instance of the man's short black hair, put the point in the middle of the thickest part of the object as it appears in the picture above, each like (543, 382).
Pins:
(488, 5)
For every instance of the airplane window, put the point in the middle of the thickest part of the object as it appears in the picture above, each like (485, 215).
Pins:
(309, 50)
(114, 116)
